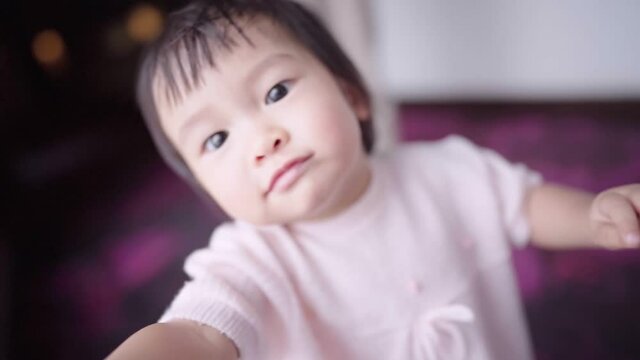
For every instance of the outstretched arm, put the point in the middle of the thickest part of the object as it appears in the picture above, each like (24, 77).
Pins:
(562, 217)
(181, 339)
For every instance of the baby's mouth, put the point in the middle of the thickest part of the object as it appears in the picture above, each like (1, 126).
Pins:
(288, 174)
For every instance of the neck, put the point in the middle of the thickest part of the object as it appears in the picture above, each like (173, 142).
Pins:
(349, 193)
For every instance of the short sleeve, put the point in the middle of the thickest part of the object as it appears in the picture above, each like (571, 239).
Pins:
(219, 295)
(509, 182)
(513, 183)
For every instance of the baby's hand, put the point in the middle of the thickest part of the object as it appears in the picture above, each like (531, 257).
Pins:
(614, 217)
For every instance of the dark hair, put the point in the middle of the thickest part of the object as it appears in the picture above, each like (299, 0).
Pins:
(189, 40)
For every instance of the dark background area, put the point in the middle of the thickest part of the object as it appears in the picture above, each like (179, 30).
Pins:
(94, 228)
(90, 217)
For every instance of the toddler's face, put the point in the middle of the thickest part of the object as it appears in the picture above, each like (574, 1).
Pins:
(271, 134)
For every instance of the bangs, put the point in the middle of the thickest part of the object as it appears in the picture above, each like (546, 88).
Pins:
(191, 48)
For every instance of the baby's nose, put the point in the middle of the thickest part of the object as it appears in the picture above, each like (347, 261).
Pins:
(270, 143)
(274, 147)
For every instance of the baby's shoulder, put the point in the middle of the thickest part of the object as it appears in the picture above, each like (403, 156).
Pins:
(449, 144)
(228, 242)
(453, 150)
(235, 245)
(226, 233)
(238, 234)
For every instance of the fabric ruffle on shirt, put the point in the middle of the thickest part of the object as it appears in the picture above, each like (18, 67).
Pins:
(437, 333)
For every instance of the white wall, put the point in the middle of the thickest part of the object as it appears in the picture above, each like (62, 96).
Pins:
(507, 49)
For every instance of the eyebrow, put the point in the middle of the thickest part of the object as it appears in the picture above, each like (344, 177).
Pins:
(264, 64)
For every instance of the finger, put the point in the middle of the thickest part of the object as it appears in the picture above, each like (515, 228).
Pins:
(634, 197)
(608, 237)
(622, 213)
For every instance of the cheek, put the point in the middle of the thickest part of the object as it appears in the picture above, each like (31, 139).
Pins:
(229, 188)
(331, 124)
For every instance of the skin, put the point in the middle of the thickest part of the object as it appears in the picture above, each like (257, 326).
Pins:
(276, 102)
(565, 218)
(179, 339)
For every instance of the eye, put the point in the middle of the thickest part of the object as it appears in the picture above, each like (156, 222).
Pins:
(276, 93)
(215, 141)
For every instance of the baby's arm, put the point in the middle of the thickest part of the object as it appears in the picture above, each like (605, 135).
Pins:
(562, 217)
(179, 339)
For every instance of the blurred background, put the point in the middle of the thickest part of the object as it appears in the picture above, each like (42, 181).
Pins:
(94, 227)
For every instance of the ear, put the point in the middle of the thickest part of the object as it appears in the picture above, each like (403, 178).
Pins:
(359, 103)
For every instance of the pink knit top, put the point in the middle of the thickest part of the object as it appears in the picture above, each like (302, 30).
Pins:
(418, 268)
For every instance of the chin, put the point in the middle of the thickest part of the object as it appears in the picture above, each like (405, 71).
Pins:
(273, 216)
(315, 206)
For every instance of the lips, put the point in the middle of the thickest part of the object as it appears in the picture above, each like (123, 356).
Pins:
(288, 174)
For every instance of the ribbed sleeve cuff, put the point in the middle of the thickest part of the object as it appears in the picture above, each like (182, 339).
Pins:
(520, 229)
(219, 315)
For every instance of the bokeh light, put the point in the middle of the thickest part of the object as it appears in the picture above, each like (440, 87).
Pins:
(144, 23)
(48, 47)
